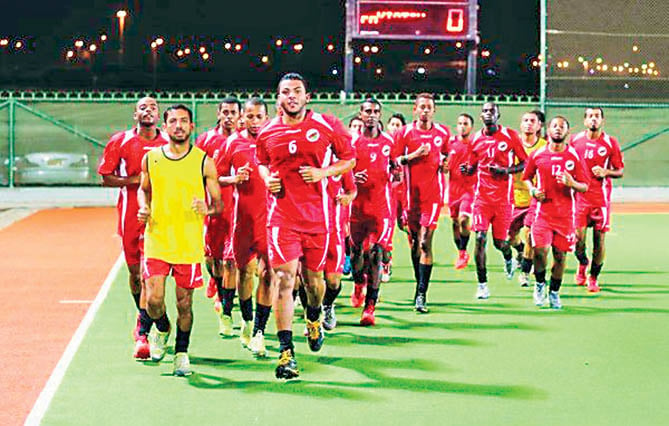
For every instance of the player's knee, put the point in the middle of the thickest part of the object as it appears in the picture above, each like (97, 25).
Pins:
(481, 238)
(285, 279)
(500, 244)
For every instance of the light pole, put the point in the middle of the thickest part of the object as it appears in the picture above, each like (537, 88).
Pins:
(121, 15)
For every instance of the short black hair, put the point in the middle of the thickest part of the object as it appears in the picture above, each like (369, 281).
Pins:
(467, 116)
(559, 117)
(230, 100)
(293, 76)
(370, 100)
(585, 113)
(354, 118)
(400, 117)
(257, 102)
(176, 107)
(540, 115)
(424, 95)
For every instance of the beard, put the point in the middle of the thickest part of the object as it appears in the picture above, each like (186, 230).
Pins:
(180, 139)
(558, 139)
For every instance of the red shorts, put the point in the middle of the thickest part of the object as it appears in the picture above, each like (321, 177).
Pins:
(426, 217)
(249, 241)
(216, 232)
(285, 245)
(370, 230)
(598, 218)
(499, 216)
(528, 220)
(187, 276)
(558, 234)
(132, 239)
(334, 261)
(462, 206)
(517, 219)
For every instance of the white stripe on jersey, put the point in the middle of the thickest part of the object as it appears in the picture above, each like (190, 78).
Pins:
(319, 117)
(275, 242)
(441, 129)
(275, 121)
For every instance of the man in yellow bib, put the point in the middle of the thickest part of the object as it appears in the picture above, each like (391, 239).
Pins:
(171, 204)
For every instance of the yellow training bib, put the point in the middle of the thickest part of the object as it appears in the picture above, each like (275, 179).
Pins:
(521, 196)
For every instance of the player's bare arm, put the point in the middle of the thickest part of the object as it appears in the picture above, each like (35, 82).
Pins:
(211, 182)
(243, 174)
(602, 173)
(114, 181)
(360, 177)
(316, 174)
(144, 193)
(272, 180)
(422, 151)
(499, 170)
(534, 191)
(346, 198)
(569, 181)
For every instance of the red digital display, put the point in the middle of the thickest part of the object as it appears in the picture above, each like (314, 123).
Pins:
(440, 20)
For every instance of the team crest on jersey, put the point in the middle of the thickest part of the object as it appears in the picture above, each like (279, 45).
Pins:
(601, 151)
(313, 135)
(502, 146)
(336, 178)
(438, 140)
(386, 150)
(569, 165)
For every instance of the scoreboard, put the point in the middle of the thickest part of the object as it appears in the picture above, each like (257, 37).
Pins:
(415, 20)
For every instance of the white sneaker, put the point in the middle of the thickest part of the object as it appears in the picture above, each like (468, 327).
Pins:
(510, 267)
(329, 317)
(539, 294)
(245, 335)
(386, 272)
(524, 279)
(257, 344)
(554, 300)
(182, 365)
(158, 344)
(225, 325)
(482, 291)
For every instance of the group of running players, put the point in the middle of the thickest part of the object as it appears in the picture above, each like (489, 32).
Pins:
(301, 193)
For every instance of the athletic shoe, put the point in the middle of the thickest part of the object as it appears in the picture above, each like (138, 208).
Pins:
(524, 279)
(257, 344)
(421, 305)
(463, 260)
(212, 290)
(158, 344)
(367, 318)
(580, 275)
(347, 265)
(593, 286)
(135, 331)
(386, 272)
(225, 325)
(287, 367)
(142, 349)
(329, 317)
(510, 267)
(482, 291)
(245, 335)
(182, 365)
(539, 293)
(554, 300)
(358, 296)
(315, 337)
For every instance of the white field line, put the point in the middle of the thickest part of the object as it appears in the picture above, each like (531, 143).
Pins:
(44, 400)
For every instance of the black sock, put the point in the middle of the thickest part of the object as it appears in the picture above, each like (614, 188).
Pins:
(162, 323)
(458, 243)
(424, 274)
(595, 269)
(372, 295)
(135, 297)
(145, 322)
(464, 240)
(331, 295)
(285, 340)
(415, 261)
(302, 292)
(358, 276)
(556, 283)
(313, 313)
(519, 249)
(227, 299)
(294, 294)
(482, 274)
(582, 258)
(540, 276)
(246, 306)
(507, 253)
(262, 315)
(182, 341)
(526, 265)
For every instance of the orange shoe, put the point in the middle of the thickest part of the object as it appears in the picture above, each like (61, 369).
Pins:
(593, 287)
(463, 260)
(358, 295)
(580, 275)
(368, 318)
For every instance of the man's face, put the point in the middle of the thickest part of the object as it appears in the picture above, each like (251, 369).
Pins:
(254, 118)
(424, 110)
(178, 126)
(355, 127)
(146, 112)
(394, 124)
(593, 119)
(370, 114)
(228, 116)
(292, 97)
(489, 114)
(529, 124)
(463, 126)
(558, 130)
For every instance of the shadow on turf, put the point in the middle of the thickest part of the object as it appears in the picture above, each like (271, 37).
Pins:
(370, 368)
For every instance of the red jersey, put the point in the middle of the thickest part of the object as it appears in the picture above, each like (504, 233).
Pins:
(499, 149)
(122, 157)
(458, 183)
(284, 149)
(546, 165)
(425, 182)
(250, 197)
(374, 157)
(205, 140)
(335, 186)
(603, 152)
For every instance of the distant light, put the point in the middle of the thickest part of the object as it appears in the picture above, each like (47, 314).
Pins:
(153, 45)
(298, 47)
(649, 71)
(187, 51)
(458, 44)
(202, 49)
(278, 43)
(160, 41)
(626, 86)
(4, 42)
(559, 64)
(626, 64)
(70, 54)
(103, 37)
(651, 65)
(427, 51)
(180, 53)
(599, 67)
(228, 45)
(635, 48)
(121, 14)
(630, 70)
(330, 47)
(614, 69)
(379, 71)
(605, 67)
(264, 59)
(374, 49)
(656, 72)
(592, 71)
(581, 59)
(335, 71)
(366, 49)
(358, 59)
(636, 69)
(644, 66)
(485, 53)
(238, 47)
(18, 45)
(565, 64)
(79, 43)
(535, 63)
(585, 64)
(599, 60)
(421, 70)
(205, 56)
(92, 48)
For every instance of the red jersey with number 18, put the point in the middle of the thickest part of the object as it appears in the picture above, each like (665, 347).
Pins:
(284, 149)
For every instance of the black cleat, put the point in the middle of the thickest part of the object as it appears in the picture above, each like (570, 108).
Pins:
(421, 306)
(315, 335)
(287, 368)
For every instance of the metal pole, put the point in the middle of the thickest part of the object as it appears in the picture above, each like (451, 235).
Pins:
(348, 47)
(543, 62)
(12, 135)
(472, 70)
